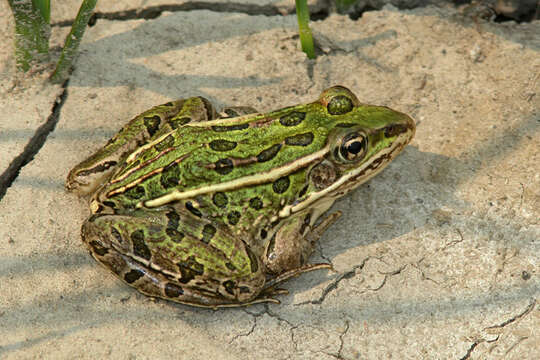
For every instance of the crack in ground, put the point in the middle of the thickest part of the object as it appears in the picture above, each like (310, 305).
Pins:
(519, 316)
(152, 12)
(346, 275)
(339, 355)
(292, 327)
(470, 350)
(249, 332)
(386, 276)
(349, 274)
(474, 345)
(34, 144)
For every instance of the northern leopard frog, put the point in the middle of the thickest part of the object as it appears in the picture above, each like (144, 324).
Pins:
(216, 210)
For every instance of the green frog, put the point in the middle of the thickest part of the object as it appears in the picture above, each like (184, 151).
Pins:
(217, 209)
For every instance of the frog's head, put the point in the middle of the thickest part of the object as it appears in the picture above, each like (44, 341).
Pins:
(361, 140)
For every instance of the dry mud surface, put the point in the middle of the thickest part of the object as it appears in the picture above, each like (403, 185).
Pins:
(435, 258)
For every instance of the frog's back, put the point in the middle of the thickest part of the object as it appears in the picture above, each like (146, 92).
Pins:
(206, 154)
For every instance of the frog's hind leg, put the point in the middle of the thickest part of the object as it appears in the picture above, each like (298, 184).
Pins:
(162, 253)
(90, 173)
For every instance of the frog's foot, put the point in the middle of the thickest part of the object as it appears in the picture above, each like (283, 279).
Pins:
(270, 285)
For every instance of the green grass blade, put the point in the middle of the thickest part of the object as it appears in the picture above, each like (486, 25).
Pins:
(73, 40)
(32, 32)
(44, 7)
(302, 13)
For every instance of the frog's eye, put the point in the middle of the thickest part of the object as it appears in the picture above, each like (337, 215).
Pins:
(353, 147)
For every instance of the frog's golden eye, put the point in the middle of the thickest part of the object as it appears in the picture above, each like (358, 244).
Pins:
(353, 147)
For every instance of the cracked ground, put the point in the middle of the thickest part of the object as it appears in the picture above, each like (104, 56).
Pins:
(435, 258)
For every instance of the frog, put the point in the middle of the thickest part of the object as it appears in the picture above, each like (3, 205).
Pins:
(217, 209)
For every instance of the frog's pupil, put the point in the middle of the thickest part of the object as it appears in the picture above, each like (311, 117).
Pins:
(355, 147)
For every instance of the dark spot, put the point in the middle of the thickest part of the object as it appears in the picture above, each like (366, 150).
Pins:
(339, 105)
(264, 233)
(170, 175)
(135, 193)
(300, 140)
(170, 103)
(229, 286)
(222, 145)
(230, 266)
(220, 200)
(116, 234)
(221, 128)
(223, 166)
(244, 289)
(133, 276)
(255, 203)
(98, 168)
(175, 123)
(293, 118)
(208, 233)
(303, 191)
(345, 125)
(165, 143)
(173, 290)
(233, 217)
(174, 220)
(189, 269)
(525, 275)
(109, 204)
(269, 153)
(139, 246)
(281, 185)
(192, 209)
(254, 263)
(152, 124)
(175, 235)
(98, 248)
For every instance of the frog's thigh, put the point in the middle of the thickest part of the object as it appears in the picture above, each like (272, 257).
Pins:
(149, 125)
(137, 249)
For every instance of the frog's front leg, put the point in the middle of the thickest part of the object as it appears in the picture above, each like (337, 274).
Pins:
(293, 243)
(167, 254)
(90, 173)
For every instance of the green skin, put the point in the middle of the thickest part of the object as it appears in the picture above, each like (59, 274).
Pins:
(215, 211)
